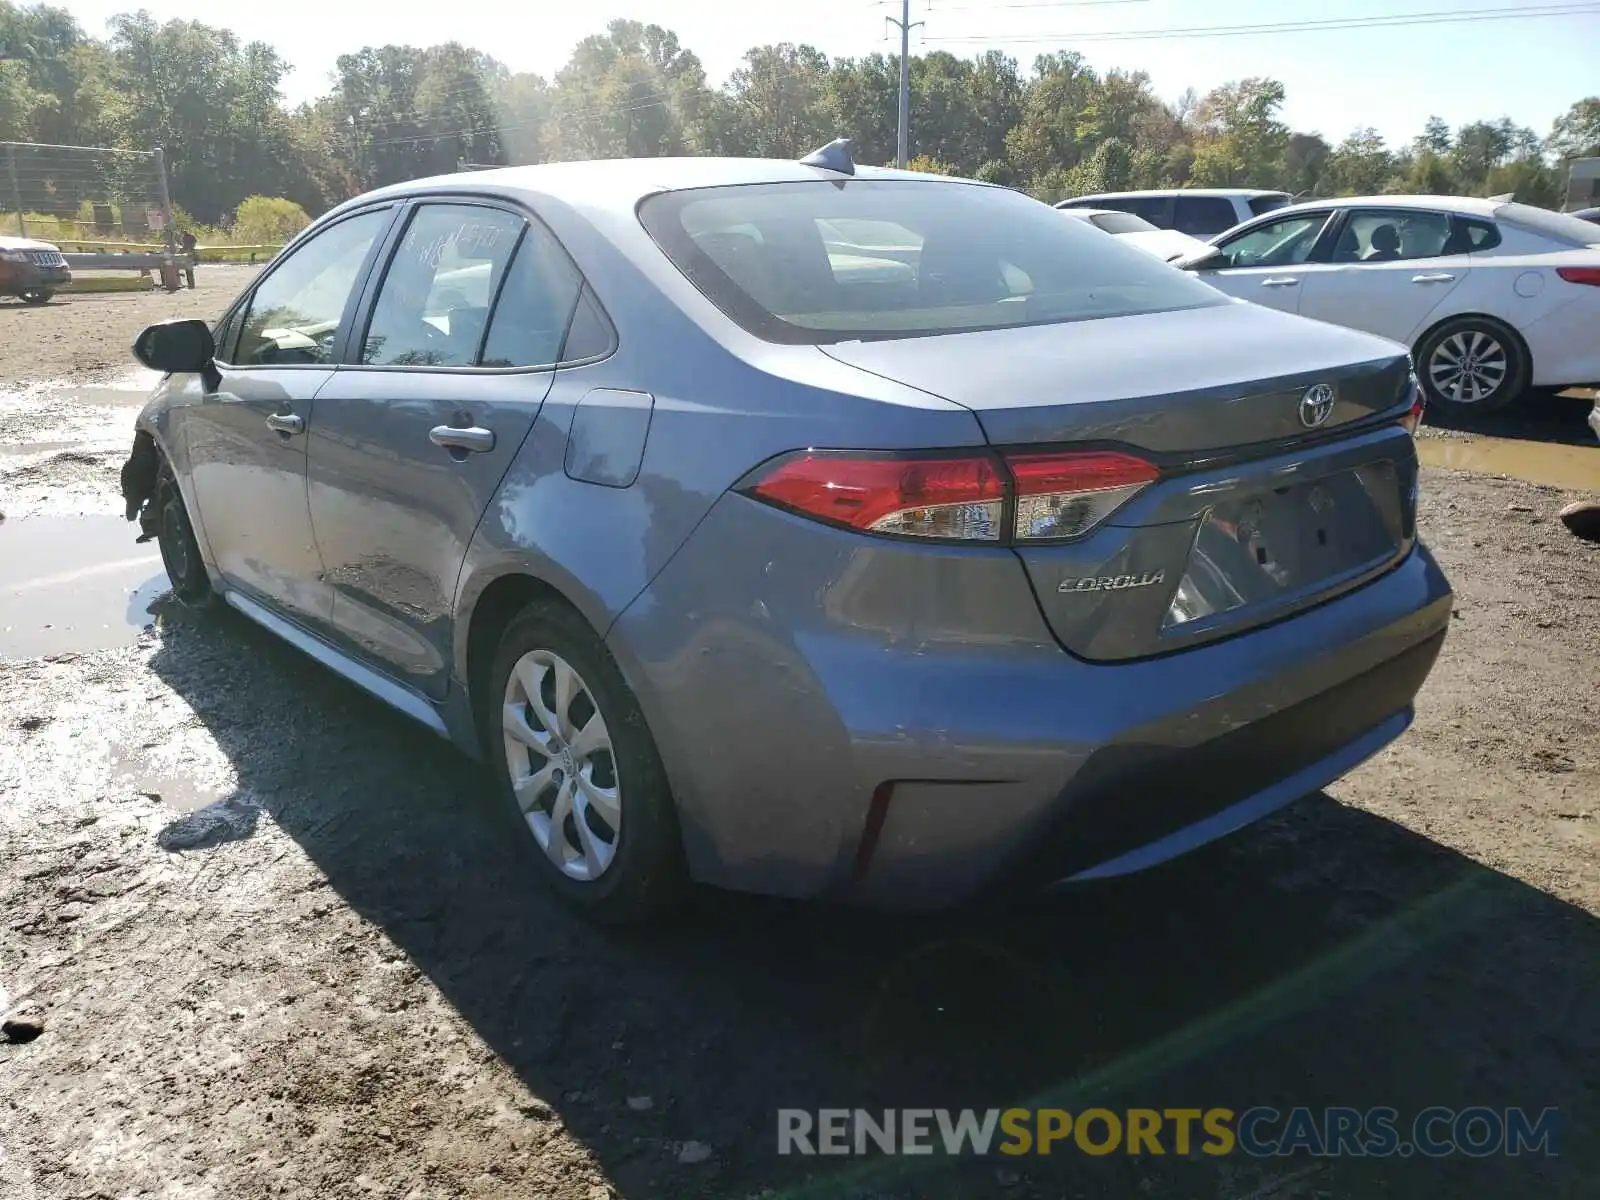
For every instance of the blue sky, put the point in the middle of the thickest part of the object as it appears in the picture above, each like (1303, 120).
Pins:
(1391, 78)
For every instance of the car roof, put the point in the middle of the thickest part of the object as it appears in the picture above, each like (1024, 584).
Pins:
(1245, 192)
(620, 183)
(1473, 206)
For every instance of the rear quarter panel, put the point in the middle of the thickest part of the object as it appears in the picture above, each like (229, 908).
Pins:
(723, 402)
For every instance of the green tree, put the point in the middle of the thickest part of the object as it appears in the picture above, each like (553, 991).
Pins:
(1361, 165)
(266, 220)
(1305, 158)
(783, 90)
(1576, 133)
(1241, 138)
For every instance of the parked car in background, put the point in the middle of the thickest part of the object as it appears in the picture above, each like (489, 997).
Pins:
(1165, 244)
(1491, 296)
(1587, 214)
(822, 532)
(1199, 212)
(30, 270)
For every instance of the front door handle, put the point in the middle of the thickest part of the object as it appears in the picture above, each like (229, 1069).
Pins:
(1441, 277)
(286, 423)
(1279, 282)
(473, 438)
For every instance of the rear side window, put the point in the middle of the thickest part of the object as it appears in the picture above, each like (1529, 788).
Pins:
(1202, 216)
(1266, 204)
(1121, 223)
(434, 302)
(820, 262)
(535, 305)
(1155, 209)
(590, 335)
(1478, 235)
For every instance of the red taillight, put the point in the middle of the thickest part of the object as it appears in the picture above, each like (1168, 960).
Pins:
(1589, 275)
(918, 497)
(962, 498)
(1066, 495)
(1413, 416)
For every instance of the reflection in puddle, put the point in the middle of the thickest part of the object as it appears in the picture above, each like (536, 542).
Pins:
(1548, 463)
(74, 584)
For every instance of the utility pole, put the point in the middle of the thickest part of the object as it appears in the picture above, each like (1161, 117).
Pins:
(905, 25)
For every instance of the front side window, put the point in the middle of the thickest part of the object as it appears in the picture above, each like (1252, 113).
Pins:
(433, 307)
(1155, 209)
(1202, 216)
(225, 333)
(820, 262)
(1382, 235)
(293, 317)
(1279, 243)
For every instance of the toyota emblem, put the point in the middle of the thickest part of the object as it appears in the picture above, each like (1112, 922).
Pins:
(1316, 406)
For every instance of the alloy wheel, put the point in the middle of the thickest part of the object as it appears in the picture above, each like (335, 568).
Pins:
(562, 765)
(1469, 367)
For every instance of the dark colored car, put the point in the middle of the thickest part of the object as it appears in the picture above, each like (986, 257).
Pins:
(31, 271)
(1587, 214)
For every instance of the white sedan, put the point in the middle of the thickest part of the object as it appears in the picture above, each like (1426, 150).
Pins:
(1491, 297)
(1166, 244)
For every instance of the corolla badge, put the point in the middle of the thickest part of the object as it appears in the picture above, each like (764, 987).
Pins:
(1316, 406)
(1110, 583)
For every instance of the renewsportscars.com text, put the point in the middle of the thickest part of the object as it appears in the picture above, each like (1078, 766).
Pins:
(1258, 1132)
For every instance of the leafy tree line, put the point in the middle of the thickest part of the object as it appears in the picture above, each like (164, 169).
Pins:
(400, 112)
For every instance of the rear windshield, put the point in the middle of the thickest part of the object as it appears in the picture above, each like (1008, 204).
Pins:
(1119, 222)
(1265, 204)
(1560, 227)
(824, 261)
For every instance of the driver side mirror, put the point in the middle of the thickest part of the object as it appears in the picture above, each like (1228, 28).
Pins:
(1211, 260)
(182, 347)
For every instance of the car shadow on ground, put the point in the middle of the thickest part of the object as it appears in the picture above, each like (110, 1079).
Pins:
(1539, 416)
(1326, 958)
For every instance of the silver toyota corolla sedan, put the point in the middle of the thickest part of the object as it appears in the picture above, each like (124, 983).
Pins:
(805, 529)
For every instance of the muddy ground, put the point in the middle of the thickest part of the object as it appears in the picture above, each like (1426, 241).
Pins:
(279, 948)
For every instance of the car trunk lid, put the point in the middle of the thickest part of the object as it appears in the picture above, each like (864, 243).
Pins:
(1269, 499)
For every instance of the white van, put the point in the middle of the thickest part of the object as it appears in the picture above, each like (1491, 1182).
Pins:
(1199, 212)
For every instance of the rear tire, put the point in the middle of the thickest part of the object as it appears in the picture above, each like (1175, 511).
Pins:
(582, 784)
(1472, 365)
(180, 551)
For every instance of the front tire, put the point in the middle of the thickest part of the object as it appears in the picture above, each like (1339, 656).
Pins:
(1472, 365)
(578, 771)
(180, 551)
(37, 297)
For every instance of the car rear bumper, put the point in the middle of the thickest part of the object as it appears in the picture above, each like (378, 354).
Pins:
(832, 726)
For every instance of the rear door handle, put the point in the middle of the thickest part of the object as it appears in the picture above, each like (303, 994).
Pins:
(1441, 277)
(1279, 282)
(473, 438)
(286, 423)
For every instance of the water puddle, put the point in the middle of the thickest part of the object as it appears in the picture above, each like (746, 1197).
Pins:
(74, 584)
(1549, 463)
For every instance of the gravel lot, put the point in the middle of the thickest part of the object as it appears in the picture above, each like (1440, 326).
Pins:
(331, 980)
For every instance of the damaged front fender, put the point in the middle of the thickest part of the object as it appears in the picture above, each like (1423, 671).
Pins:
(141, 475)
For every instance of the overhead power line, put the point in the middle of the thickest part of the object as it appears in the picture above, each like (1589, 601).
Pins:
(1442, 17)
